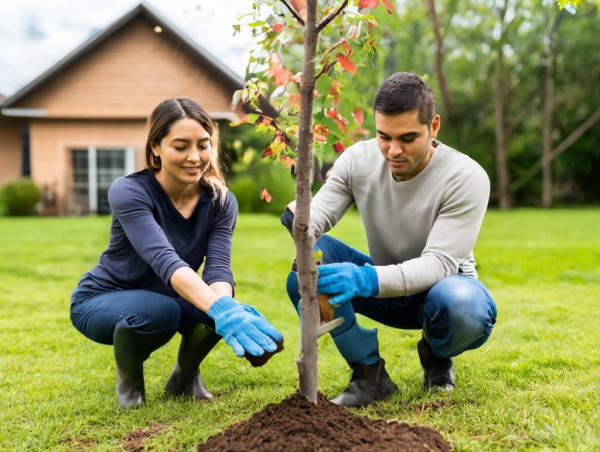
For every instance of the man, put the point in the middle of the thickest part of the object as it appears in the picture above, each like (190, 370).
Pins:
(422, 204)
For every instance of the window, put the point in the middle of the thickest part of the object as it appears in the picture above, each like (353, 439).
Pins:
(94, 170)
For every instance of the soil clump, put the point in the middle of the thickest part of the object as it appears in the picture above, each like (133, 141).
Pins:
(295, 424)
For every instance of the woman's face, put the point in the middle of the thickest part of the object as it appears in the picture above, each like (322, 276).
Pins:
(184, 153)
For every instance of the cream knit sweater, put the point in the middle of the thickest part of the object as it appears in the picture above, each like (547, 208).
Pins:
(418, 231)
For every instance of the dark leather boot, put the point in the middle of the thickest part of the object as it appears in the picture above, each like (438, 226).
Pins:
(438, 372)
(129, 359)
(368, 384)
(185, 379)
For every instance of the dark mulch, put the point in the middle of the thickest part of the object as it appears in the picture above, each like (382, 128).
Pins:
(295, 424)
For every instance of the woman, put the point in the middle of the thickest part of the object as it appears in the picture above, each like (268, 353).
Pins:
(168, 220)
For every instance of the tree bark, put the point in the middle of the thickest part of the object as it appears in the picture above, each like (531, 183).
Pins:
(502, 182)
(548, 83)
(303, 234)
(439, 43)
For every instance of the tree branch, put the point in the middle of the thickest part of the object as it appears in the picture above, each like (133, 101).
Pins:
(327, 66)
(521, 116)
(575, 134)
(562, 147)
(325, 69)
(293, 11)
(331, 16)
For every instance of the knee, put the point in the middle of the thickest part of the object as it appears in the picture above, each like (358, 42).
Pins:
(461, 296)
(462, 306)
(159, 316)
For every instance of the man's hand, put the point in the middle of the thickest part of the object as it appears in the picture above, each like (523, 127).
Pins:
(243, 327)
(345, 281)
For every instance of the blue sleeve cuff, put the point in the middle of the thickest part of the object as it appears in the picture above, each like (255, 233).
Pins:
(370, 275)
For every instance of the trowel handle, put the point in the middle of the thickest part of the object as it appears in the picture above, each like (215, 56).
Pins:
(325, 308)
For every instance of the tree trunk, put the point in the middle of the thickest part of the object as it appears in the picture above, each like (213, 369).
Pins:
(502, 184)
(303, 235)
(548, 83)
(446, 94)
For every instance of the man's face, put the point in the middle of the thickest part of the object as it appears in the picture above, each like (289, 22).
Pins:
(405, 143)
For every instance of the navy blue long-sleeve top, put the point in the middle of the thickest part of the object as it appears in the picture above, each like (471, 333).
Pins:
(150, 239)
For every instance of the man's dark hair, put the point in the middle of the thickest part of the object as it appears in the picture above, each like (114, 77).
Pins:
(402, 92)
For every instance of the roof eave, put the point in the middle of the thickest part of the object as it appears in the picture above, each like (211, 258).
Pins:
(146, 11)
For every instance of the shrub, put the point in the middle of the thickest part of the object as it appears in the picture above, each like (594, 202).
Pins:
(245, 191)
(20, 197)
(251, 175)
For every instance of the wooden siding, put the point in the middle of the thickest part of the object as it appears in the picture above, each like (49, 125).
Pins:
(10, 149)
(127, 76)
(53, 140)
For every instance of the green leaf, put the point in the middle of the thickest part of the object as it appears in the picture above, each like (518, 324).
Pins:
(252, 118)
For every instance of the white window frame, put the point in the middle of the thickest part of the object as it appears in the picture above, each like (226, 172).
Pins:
(129, 159)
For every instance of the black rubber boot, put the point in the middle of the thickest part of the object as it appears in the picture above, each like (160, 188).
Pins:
(129, 357)
(369, 383)
(185, 379)
(438, 372)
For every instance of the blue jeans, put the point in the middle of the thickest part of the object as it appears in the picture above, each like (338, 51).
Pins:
(456, 314)
(156, 317)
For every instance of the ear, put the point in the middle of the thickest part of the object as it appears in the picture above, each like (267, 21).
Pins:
(435, 126)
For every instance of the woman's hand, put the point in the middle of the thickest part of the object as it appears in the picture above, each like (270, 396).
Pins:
(243, 327)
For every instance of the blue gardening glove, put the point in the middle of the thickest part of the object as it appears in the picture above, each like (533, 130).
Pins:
(243, 327)
(346, 281)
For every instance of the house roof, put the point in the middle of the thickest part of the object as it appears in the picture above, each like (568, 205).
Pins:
(145, 11)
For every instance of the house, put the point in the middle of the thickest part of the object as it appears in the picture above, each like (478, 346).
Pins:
(82, 124)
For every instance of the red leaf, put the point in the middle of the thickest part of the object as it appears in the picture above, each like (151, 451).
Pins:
(335, 91)
(242, 120)
(346, 63)
(287, 161)
(339, 147)
(341, 124)
(294, 100)
(281, 74)
(332, 113)
(277, 27)
(368, 3)
(263, 120)
(281, 137)
(320, 133)
(265, 196)
(360, 116)
(389, 5)
(268, 153)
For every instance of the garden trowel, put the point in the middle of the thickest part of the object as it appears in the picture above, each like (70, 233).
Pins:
(327, 323)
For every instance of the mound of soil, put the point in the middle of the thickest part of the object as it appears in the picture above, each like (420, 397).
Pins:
(295, 424)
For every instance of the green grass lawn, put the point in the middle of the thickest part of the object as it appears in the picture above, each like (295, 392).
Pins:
(535, 385)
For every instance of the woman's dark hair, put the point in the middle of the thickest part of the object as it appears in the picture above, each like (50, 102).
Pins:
(402, 92)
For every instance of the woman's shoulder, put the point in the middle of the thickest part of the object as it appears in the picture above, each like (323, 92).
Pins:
(133, 186)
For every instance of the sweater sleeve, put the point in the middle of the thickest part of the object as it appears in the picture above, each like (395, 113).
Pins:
(131, 206)
(450, 241)
(217, 267)
(333, 199)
